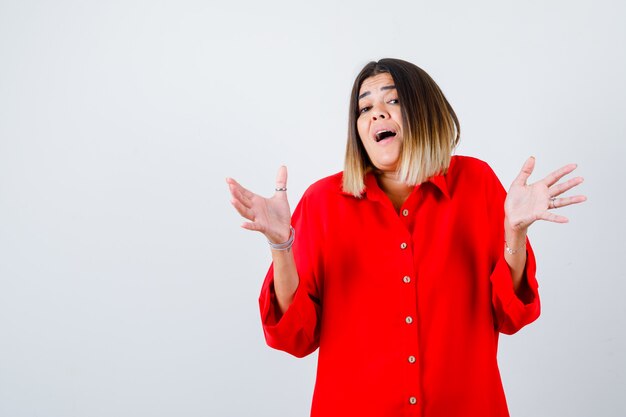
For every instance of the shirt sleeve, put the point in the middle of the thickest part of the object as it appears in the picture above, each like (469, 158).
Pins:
(512, 311)
(297, 330)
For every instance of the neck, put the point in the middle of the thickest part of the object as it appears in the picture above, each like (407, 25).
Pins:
(396, 190)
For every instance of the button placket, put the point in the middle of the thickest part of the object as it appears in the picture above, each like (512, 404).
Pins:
(410, 317)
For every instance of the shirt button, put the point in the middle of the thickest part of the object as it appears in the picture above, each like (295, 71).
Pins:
(406, 279)
(408, 319)
(405, 212)
(403, 245)
(411, 359)
(413, 400)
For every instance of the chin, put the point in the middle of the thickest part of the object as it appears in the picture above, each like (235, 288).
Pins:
(390, 164)
(386, 168)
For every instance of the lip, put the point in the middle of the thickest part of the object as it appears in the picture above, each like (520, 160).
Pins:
(383, 128)
(385, 141)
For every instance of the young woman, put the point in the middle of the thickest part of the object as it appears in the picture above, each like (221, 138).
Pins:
(405, 267)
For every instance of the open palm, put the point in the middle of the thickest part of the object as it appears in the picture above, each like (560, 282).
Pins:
(527, 203)
(270, 216)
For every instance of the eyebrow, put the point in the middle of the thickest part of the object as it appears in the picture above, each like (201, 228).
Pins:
(367, 93)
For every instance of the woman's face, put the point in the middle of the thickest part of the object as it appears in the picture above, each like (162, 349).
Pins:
(380, 121)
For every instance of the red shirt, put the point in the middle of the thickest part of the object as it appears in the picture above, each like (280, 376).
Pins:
(405, 307)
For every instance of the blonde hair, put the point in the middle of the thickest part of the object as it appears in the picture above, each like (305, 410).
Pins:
(430, 127)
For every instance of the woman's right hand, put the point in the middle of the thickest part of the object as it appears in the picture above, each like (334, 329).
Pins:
(270, 216)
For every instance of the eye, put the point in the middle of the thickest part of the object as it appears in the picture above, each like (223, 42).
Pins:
(394, 101)
(364, 109)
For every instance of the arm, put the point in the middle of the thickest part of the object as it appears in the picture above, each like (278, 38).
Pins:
(516, 256)
(272, 217)
(526, 203)
(289, 301)
(286, 278)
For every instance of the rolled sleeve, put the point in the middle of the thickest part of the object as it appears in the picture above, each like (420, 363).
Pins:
(296, 331)
(513, 311)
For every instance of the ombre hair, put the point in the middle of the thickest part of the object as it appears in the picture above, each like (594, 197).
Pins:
(430, 128)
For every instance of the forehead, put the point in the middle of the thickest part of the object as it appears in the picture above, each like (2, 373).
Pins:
(374, 84)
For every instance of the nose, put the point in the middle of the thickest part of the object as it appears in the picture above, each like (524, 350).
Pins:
(379, 114)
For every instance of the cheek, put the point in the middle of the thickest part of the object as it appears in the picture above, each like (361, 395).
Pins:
(363, 129)
(397, 116)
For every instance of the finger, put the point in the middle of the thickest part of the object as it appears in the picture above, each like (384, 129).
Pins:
(244, 192)
(561, 188)
(555, 176)
(238, 195)
(243, 210)
(281, 178)
(567, 201)
(552, 217)
(527, 169)
(252, 226)
(236, 190)
(232, 183)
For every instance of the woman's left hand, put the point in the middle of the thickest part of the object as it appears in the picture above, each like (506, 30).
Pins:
(526, 203)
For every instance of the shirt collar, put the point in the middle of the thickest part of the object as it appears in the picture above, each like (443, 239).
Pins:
(440, 182)
(374, 192)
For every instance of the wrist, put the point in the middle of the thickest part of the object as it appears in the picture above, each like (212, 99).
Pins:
(514, 238)
(514, 230)
(285, 244)
(279, 237)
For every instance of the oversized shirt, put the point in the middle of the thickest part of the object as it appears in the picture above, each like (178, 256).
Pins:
(405, 306)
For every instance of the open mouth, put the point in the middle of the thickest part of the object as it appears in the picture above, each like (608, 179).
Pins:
(384, 134)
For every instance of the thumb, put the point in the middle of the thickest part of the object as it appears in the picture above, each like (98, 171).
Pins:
(281, 179)
(527, 169)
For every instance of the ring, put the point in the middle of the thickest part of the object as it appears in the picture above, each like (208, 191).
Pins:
(281, 189)
(552, 200)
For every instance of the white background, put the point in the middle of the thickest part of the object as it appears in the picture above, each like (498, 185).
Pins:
(127, 287)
